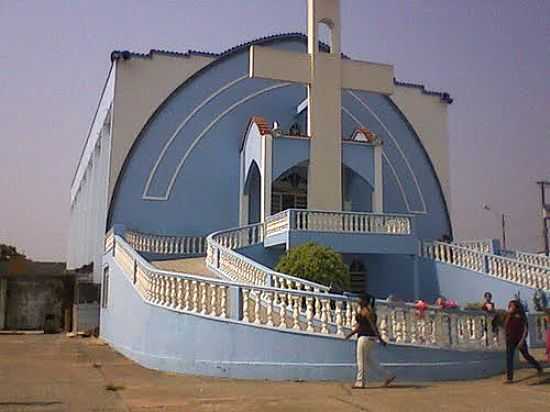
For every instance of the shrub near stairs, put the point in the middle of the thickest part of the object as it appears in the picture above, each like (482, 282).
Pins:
(316, 263)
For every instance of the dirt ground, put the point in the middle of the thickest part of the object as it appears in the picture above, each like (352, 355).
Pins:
(56, 373)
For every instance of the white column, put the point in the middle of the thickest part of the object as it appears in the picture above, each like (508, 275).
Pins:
(378, 194)
(243, 210)
(266, 176)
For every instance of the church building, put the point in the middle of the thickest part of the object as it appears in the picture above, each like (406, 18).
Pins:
(201, 169)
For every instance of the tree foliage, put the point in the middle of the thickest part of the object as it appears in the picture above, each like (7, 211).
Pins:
(7, 252)
(316, 263)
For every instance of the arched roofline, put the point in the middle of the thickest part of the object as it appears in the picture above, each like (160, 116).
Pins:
(243, 47)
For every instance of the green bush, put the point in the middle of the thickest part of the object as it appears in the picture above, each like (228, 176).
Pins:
(473, 306)
(316, 263)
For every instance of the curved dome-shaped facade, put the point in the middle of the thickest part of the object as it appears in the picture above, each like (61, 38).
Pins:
(182, 174)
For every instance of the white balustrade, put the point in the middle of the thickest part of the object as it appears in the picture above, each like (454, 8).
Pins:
(340, 222)
(483, 246)
(167, 245)
(222, 256)
(533, 259)
(306, 311)
(512, 270)
(277, 223)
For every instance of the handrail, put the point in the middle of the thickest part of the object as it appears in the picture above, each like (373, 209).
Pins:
(501, 267)
(485, 246)
(223, 258)
(339, 222)
(302, 311)
(533, 258)
(167, 244)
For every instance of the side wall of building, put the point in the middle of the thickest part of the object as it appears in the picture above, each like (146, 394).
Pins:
(134, 89)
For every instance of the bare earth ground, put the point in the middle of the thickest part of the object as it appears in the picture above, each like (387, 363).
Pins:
(56, 373)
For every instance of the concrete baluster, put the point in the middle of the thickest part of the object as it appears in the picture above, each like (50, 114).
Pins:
(257, 306)
(325, 310)
(296, 312)
(413, 326)
(282, 310)
(339, 319)
(317, 305)
(397, 323)
(349, 315)
(195, 298)
(269, 312)
(213, 299)
(179, 294)
(383, 322)
(246, 294)
(309, 314)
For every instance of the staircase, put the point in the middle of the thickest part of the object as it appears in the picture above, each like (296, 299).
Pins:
(278, 326)
(519, 271)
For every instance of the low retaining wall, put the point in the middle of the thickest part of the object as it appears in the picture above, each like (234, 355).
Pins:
(166, 340)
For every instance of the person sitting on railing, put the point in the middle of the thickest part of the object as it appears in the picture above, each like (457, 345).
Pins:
(488, 304)
(368, 333)
(516, 328)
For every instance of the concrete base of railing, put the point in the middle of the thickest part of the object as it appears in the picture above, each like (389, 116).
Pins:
(168, 340)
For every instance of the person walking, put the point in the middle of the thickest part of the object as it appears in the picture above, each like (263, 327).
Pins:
(367, 335)
(516, 328)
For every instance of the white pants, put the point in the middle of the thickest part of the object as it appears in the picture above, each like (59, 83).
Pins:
(365, 361)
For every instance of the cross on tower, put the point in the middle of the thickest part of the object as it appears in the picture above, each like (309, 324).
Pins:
(325, 74)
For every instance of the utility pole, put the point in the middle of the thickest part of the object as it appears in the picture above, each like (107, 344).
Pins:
(545, 215)
(502, 224)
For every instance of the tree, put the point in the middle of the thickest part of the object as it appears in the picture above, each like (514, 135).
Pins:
(316, 263)
(7, 252)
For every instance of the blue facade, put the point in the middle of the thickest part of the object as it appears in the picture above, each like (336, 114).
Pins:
(203, 345)
(184, 168)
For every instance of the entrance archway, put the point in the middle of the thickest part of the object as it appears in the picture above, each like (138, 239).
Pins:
(289, 190)
(252, 190)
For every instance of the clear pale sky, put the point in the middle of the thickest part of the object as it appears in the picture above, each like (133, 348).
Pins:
(492, 56)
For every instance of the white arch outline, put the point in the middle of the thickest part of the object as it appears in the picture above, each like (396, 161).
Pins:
(366, 106)
(205, 130)
(245, 99)
(181, 126)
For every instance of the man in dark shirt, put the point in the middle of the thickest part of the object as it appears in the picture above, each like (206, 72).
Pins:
(516, 332)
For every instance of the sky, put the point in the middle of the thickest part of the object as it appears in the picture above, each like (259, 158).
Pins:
(492, 56)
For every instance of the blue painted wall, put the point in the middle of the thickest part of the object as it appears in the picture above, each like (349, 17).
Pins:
(287, 153)
(357, 243)
(166, 340)
(466, 286)
(265, 256)
(205, 195)
(358, 191)
(390, 275)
